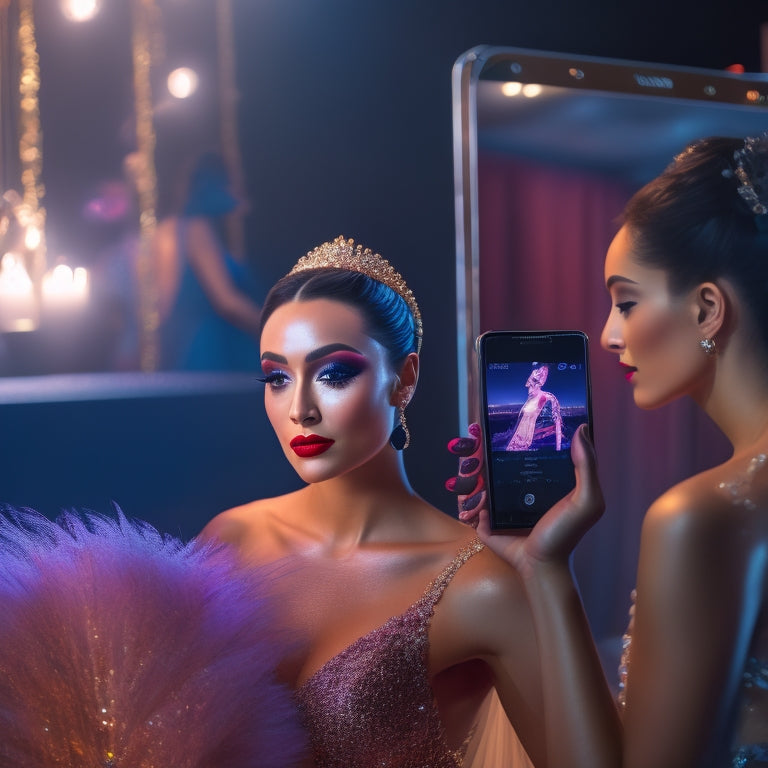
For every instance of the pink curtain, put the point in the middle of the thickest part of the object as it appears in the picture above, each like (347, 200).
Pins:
(544, 231)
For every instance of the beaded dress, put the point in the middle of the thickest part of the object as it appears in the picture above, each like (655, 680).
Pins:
(753, 693)
(372, 704)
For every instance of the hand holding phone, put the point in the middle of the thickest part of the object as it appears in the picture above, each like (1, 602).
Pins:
(468, 484)
(554, 538)
(535, 392)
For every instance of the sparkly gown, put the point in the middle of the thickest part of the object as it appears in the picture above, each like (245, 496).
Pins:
(372, 704)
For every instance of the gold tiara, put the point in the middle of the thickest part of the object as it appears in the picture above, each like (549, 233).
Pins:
(344, 254)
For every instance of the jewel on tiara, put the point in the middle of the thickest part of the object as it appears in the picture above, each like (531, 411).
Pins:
(344, 254)
(751, 170)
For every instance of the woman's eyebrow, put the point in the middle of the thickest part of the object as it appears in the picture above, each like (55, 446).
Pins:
(315, 354)
(618, 279)
(329, 349)
(274, 358)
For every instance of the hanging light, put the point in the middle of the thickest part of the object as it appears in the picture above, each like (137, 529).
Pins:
(182, 82)
(80, 10)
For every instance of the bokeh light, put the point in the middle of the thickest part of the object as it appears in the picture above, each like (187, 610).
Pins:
(511, 88)
(80, 10)
(182, 82)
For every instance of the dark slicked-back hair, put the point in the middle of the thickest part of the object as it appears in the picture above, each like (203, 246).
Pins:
(691, 222)
(387, 317)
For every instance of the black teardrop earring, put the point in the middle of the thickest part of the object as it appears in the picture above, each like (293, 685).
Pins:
(400, 438)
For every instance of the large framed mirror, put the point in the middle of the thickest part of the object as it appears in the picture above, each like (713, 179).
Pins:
(547, 149)
(106, 106)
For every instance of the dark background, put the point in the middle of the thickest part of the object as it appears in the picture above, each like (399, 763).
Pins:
(346, 128)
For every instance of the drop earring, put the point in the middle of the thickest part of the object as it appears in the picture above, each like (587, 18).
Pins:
(400, 438)
(709, 346)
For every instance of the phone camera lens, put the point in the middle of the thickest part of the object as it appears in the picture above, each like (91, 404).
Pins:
(529, 499)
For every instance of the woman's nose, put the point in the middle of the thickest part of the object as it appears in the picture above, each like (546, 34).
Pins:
(611, 338)
(303, 409)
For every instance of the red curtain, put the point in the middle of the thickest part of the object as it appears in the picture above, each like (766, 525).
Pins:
(544, 231)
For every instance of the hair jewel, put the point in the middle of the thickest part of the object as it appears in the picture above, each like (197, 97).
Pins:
(750, 168)
(344, 254)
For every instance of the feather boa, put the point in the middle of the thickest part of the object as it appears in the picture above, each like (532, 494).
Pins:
(124, 648)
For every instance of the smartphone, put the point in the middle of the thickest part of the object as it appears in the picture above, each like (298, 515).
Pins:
(535, 392)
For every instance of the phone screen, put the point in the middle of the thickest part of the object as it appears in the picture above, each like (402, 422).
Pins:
(535, 392)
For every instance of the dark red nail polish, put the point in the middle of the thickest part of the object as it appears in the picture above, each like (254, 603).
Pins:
(462, 445)
(471, 502)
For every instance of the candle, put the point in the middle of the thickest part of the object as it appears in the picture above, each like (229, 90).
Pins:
(65, 288)
(18, 308)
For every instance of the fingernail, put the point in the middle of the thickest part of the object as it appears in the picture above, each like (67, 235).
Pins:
(461, 445)
(472, 501)
(469, 465)
(450, 484)
(465, 484)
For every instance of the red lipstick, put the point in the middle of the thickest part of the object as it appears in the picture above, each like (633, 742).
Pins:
(629, 371)
(306, 446)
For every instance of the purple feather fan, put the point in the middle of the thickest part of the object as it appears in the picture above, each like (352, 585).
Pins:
(124, 648)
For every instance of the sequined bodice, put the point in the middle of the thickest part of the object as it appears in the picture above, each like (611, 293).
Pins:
(372, 704)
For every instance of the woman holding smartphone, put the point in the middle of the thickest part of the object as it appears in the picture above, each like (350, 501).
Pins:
(406, 627)
(688, 278)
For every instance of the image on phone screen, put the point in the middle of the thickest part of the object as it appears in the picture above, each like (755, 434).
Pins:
(532, 408)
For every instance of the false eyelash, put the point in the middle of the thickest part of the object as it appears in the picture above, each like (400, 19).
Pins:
(625, 306)
(270, 377)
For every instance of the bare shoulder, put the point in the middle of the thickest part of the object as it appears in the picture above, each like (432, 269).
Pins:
(484, 581)
(711, 498)
(228, 527)
(486, 604)
(708, 513)
(249, 527)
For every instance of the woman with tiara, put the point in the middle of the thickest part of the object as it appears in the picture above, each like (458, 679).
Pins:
(412, 637)
(687, 275)
(404, 640)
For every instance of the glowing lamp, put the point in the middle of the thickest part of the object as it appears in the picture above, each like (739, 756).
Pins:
(182, 82)
(511, 88)
(80, 10)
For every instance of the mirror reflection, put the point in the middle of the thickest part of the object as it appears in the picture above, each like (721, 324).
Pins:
(548, 149)
(127, 147)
